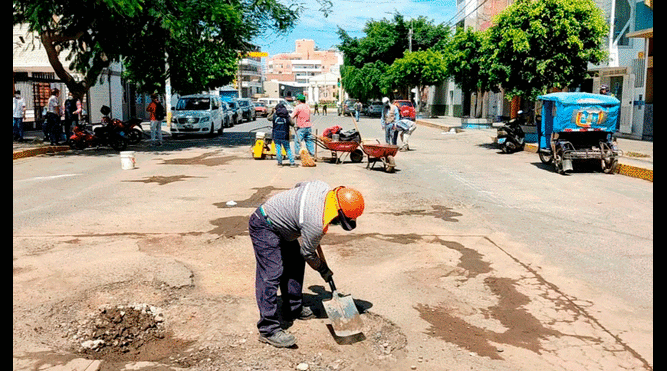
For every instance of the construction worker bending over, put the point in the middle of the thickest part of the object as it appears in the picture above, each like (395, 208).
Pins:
(405, 128)
(304, 211)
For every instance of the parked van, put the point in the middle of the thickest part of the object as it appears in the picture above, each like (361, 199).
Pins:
(197, 114)
(271, 103)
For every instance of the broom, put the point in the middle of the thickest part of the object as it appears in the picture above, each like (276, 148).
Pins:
(306, 160)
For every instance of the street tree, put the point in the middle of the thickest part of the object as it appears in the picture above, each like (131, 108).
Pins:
(384, 42)
(468, 63)
(367, 82)
(199, 40)
(420, 69)
(544, 44)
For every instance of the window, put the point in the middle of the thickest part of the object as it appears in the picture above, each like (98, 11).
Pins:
(622, 12)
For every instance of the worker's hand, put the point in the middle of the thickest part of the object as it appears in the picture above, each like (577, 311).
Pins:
(325, 272)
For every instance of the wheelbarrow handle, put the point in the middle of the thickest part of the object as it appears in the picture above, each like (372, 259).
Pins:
(332, 285)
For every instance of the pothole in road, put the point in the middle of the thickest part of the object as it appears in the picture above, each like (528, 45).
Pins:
(438, 211)
(161, 180)
(261, 194)
(206, 159)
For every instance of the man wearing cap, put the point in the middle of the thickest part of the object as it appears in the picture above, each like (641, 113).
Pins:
(305, 211)
(390, 114)
(301, 116)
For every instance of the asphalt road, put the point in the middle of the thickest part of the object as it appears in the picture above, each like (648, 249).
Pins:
(584, 239)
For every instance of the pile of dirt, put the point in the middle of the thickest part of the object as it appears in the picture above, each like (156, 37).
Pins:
(118, 330)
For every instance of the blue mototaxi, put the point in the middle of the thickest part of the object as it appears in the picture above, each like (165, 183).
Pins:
(578, 126)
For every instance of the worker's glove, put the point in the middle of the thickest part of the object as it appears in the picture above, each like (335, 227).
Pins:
(325, 272)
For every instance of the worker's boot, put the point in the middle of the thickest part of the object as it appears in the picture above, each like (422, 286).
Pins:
(279, 339)
(306, 314)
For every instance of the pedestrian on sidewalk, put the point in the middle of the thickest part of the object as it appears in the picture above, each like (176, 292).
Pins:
(53, 114)
(280, 134)
(156, 113)
(18, 115)
(304, 211)
(357, 110)
(324, 109)
(388, 118)
(317, 111)
(301, 116)
(72, 110)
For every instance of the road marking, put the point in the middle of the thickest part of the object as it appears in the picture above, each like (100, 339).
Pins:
(48, 177)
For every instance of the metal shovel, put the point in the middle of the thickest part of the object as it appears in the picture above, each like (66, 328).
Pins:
(343, 314)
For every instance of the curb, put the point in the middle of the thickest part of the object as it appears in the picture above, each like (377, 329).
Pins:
(623, 169)
(39, 151)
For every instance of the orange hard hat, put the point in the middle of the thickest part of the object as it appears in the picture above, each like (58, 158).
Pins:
(350, 202)
(342, 206)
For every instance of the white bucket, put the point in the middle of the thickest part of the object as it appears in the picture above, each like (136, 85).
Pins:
(127, 160)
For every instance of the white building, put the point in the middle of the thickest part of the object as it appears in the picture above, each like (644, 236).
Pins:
(34, 77)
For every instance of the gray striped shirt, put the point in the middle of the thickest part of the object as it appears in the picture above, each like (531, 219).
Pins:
(298, 213)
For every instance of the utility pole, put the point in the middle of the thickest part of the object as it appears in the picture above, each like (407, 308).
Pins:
(167, 91)
(410, 33)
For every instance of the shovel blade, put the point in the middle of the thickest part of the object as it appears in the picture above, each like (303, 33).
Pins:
(343, 314)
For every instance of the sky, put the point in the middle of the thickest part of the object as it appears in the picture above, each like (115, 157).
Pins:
(352, 15)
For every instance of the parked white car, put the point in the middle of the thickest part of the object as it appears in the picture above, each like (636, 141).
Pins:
(197, 114)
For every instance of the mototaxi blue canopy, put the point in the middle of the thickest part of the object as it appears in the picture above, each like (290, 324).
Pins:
(576, 112)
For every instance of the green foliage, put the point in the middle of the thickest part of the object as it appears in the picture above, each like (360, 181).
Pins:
(367, 60)
(467, 60)
(202, 38)
(420, 68)
(542, 44)
(367, 82)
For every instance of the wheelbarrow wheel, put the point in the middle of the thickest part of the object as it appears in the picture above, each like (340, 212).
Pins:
(356, 155)
(389, 164)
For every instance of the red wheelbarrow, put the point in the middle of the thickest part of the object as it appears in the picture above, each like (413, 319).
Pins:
(341, 149)
(380, 152)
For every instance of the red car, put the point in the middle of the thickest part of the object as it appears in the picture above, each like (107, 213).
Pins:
(406, 109)
(260, 108)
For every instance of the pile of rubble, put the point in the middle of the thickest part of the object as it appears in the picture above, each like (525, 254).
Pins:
(119, 329)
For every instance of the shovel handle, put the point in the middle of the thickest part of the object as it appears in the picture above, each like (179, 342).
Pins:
(321, 254)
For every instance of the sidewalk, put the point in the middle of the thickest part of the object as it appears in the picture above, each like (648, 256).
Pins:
(34, 144)
(636, 158)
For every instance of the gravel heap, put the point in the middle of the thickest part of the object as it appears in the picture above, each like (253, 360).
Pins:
(119, 329)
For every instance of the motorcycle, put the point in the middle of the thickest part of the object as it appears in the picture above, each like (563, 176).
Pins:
(511, 137)
(110, 134)
(131, 127)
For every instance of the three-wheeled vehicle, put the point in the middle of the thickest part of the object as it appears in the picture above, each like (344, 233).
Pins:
(578, 126)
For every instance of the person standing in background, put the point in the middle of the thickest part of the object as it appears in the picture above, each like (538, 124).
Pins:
(155, 111)
(72, 111)
(19, 115)
(301, 115)
(53, 118)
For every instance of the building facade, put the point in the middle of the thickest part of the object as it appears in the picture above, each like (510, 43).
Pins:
(35, 78)
(314, 71)
(628, 71)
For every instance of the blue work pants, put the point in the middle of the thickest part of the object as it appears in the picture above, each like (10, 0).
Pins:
(279, 264)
